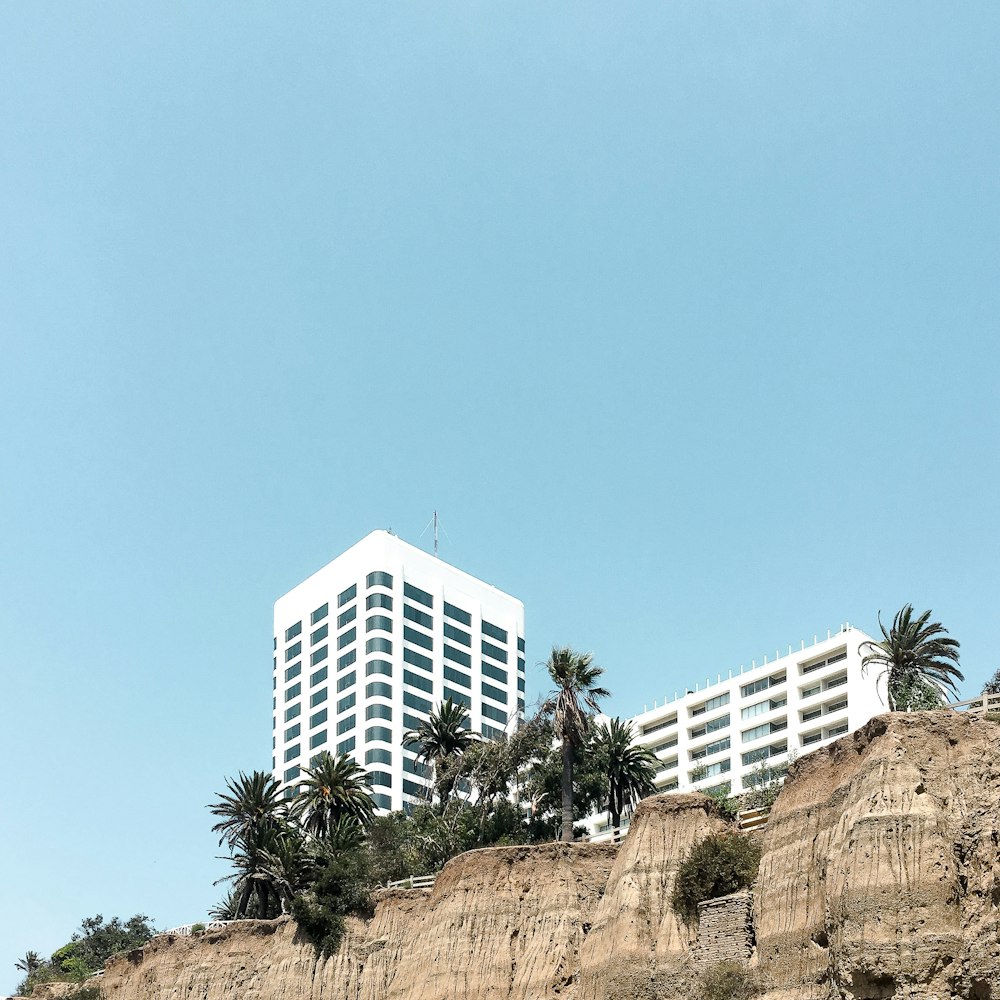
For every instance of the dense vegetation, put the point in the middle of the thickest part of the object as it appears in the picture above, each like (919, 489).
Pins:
(84, 954)
(715, 866)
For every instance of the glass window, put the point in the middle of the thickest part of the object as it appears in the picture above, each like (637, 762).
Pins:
(495, 693)
(345, 725)
(383, 622)
(383, 733)
(712, 748)
(520, 705)
(496, 714)
(379, 579)
(378, 755)
(348, 616)
(491, 732)
(457, 634)
(380, 778)
(417, 638)
(319, 635)
(411, 721)
(317, 697)
(293, 631)
(347, 595)
(494, 651)
(343, 683)
(378, 600)
(418, 595)
(520, 644)
(292, 752)
(378, 689)
(293, 671)
(318, 719)
(318, 677)
(494, 631)
(459, 697)
(495, 672)
(457, 614)
(293, 651)
(294, 691)
(410, 700)
(378, 711)
(293, 733)
(719, 767)
(319, 614)
(381, 800)
(293, 711)
(520, 684)
(417, 659)
(420, 617)
(291, 774)
(457, 677)
(347, 659)
(347, 638)
(317, 739)
(378, 667)
(348, 701)
(345, 746)
(378, 645)
(417, 767)
(418, 681)
(451, 653)
(710, 705)
(318, 655)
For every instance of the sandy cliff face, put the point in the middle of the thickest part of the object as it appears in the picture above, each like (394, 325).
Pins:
(880, 878)
(880, 875)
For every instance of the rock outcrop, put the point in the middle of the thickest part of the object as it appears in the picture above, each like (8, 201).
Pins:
(880, 877)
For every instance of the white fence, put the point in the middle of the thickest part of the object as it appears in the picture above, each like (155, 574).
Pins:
(185, 929)
(605, 835)
(414, 882)
(984, 703)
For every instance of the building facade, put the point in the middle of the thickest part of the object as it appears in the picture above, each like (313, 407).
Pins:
(365, 648)
(748, 726)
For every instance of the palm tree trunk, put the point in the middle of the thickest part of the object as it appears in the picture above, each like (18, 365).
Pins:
(567, 791)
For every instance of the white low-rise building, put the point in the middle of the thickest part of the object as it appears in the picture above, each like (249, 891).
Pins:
(367, 646)
(723, 734)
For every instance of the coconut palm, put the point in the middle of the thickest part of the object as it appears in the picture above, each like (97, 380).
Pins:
(914, 653)
(441, 740)
(31, 962)
(252, 806)
(575, 677)
(334, 790)
(631, 769)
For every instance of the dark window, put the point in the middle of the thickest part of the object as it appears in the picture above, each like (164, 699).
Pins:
(420, 617)
(378, 755)
(412, 701)
(317, 739)
(383, 622)
(520, 644)
(417, 638)
(318, 719)
(343, 683)
(347, 638)
(293, 712)
(294, 691)
(494, 651)
(378, 711)
(378, 600)
(383, 733)
(293, 733)
(495, 672)
(292, 752)
(411, 721)
(457, 677)
(293, 671)
(520, 684)
(293, 651)
(291, 633)
(347, 659)
(318, 677)
(457, 614)
(412, 788)
(417, 767)
(378, 689)
(379, 579)
(348, 701)
(380, 778)
(459, 635)
(457, 696)
(491, 732)
(319, 635)
(319, 614)
(496, 714)
(348, 616)
(494, 631)
(378, 667)
(418, 595)
(347, 595)
(319, 655)
(417, 659)
(418, 681)
(378, 645)
(291, 774)
(345, 746)
(494, 692)
(451, 653)
(381, 800)
(345, 725)
(317, 697)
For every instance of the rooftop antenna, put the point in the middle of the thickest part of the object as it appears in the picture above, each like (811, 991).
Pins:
(434, 521)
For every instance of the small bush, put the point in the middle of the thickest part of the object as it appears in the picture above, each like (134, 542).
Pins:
(197, 928)
(727, 981)
(719, 864)
(341, 888)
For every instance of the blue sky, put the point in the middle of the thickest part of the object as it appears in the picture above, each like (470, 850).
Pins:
(683, 315)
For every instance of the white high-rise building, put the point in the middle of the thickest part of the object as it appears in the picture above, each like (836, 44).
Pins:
(367, 646)
(723, 733)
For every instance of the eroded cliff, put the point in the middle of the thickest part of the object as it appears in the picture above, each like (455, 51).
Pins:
(880, 877)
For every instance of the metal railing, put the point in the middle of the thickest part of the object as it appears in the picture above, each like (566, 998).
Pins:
(185, 929)
(413, 882)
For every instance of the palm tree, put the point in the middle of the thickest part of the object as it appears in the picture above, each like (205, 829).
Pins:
(31, 962)
(913, 655)
(252, 806)
(631, 769)
(575, 676)
(442, 739)
(334, 790)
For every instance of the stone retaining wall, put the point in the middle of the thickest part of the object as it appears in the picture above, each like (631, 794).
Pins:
(725, 929)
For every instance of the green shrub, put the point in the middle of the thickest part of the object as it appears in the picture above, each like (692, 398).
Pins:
(197, 928)
(717, 865)
(341, 887)
(727, 981)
